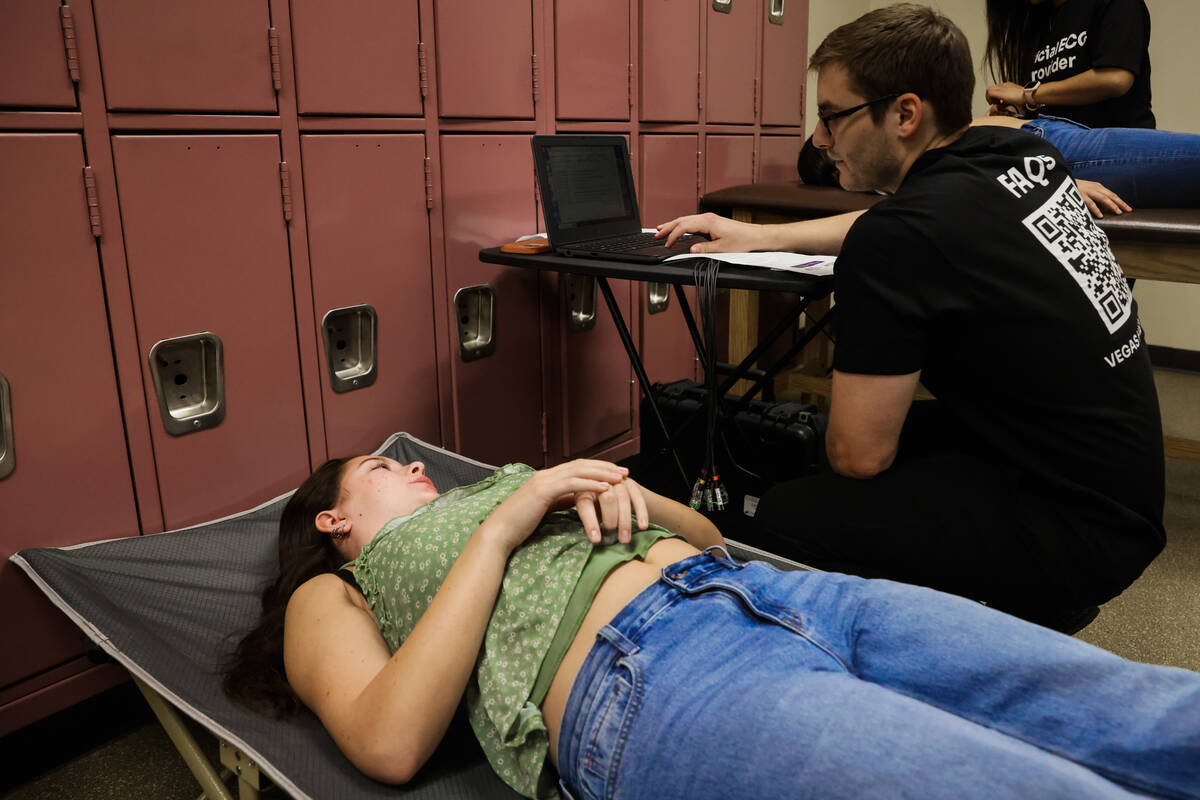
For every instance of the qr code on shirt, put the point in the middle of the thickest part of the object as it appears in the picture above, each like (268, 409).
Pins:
(1065, 227)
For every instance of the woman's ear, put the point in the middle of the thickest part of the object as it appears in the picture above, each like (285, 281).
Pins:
(329, 520)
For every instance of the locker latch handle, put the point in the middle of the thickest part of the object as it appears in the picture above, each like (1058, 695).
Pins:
(351, 337)
(723, 6)
(658, 297)
(475, 311)
(581, 302)
(8, 455)
(189, 378)
(775, 12)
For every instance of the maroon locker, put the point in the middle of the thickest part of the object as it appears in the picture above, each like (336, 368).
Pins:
(731, 60)
(785, 61)
(598, 384)
(174, 55)
(485, 58)
(368, 238)
(670, 172)
(592, 64)
(728, 162)
(69, 480)
(669, 69)
(207, 250)
(34, 70)
(357, 57)
(487, 196)
(777, 158)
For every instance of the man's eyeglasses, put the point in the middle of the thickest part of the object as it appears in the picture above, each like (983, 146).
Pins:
(845, 112)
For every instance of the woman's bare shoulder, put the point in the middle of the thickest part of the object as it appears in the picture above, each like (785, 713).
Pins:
(323, 592)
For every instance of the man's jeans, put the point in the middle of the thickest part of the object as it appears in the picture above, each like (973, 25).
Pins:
(740, 681)
(1146, 167)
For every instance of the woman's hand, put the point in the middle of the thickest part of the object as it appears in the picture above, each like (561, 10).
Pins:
(1097, 196)
(513, 520)
(613, 510)
(1006, 94)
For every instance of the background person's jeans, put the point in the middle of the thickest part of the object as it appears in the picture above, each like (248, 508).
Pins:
(731, 681)
(1146, 167)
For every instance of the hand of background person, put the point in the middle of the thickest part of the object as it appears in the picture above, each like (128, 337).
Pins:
(727, 235)
(613, 510)
(1006, 94)
(1098, 196)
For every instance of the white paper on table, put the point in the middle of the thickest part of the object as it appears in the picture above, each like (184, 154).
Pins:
(788, 262)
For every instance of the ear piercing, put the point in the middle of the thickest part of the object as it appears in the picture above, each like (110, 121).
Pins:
(339, 533)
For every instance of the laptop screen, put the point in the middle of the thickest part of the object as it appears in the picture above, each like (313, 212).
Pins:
(586, 185)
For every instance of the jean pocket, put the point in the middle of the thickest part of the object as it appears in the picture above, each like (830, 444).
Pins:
(608, 728)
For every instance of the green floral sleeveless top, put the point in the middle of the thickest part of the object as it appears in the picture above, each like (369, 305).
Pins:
(401, 570)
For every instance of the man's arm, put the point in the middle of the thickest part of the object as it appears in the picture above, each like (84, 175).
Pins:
(865, 418)
(815, 236)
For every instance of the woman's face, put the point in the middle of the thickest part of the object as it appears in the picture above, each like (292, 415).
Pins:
(375, 490)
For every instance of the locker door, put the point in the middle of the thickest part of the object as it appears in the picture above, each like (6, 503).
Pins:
(208, 252)
(777, 158)
(597, 376)
(33, 60)
(70, 480)
(731, 64)
(669, 176)
(487, 193)
(368, 241)
(592, 59)
(669, 69)
(357, 57)
(785, 61)
(172, 55)
(485, 58)
(730, 162)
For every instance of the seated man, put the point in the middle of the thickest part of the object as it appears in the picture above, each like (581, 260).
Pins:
(1034, 482)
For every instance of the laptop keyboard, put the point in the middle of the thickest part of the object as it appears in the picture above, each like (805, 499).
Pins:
(640, 241)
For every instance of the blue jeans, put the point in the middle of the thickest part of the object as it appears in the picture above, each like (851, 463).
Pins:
(740, 681)
(1146, 167)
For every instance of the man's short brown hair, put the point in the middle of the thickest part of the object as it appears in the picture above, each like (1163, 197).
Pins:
(905, 48)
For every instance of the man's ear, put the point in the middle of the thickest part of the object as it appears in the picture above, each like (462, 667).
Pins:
(912, 112)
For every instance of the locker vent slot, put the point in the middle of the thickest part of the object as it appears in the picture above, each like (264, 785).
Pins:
(658, 296)
(351, 343)
(8, 456)
(581, 302)
(475, 307)
(775, 12)
(189, 377)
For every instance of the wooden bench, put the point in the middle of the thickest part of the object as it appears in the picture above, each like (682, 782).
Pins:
(1150, 244)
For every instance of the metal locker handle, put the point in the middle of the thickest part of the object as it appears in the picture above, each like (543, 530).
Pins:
(8, 455)
(724, 6)
(775, 12)
(351, 337)
(189, 378)
(658, 296)
(581, 302)
(475, 308)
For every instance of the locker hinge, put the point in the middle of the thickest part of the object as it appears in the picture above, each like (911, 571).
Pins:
(423, 71)
(756, 97)
(630, 93)
(754, 166)
(276, 65)
(699, 175)
(536, 80)
(699, 92)
(285, 189)
(68, 31)
(93, 201)
(428, 183)
(545, 435)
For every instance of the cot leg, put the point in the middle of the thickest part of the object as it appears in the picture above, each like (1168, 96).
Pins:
(245, 769)
(185, 743)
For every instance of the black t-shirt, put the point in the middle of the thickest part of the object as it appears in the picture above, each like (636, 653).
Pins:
(1086, 34)
(986, 272)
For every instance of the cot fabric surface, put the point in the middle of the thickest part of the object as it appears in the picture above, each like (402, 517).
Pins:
(166, 606)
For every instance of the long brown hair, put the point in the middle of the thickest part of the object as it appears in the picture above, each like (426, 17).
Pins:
(254, 673)
(1013, 30)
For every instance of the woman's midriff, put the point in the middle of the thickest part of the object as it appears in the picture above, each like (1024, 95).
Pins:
(618, 588)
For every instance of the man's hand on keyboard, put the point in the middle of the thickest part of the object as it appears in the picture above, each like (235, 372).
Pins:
(727, 235)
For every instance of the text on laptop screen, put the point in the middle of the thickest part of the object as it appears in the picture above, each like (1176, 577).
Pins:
(587, 184)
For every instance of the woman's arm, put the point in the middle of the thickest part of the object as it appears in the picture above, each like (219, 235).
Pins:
(617, 508)
(693, 526)
(1092, 86)
(388, 713)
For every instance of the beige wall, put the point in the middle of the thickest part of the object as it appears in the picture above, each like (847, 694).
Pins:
(1169, 311)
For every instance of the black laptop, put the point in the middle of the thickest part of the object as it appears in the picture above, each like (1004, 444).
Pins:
(589, 203)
